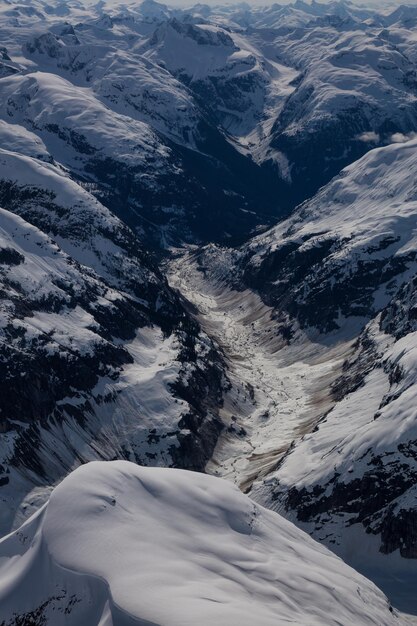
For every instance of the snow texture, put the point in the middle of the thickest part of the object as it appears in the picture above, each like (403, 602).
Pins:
(119, 544)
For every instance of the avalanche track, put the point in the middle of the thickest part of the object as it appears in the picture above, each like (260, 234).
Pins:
(277, 392)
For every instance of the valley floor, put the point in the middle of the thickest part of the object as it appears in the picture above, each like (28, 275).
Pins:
(277, 392)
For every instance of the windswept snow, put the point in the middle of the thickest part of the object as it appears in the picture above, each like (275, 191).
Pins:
(118, 544)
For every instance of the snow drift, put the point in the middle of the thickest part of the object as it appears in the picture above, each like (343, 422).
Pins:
(118, 544)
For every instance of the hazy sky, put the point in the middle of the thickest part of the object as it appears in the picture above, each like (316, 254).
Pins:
(366, 3)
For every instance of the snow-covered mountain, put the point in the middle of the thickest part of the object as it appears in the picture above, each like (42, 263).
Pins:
(306, 89)
(117, 544)
(99, 358)
(208, 261)
(351, 253)
(174, 173)
(208, 122)
(338, 285)
(354, 91)
(346, 252)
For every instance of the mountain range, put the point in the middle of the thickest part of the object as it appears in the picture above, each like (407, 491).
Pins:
(208, 265)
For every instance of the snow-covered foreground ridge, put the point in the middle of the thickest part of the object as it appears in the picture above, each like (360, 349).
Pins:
(118, 544)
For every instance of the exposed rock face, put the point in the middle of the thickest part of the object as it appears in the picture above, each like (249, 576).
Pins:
(332, 291)
(344, 253)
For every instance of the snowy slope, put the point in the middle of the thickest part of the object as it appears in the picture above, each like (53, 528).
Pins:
(76, 120)
(356, 89)
(346, 252)
(127, 127)
(46, 196)
(161, 189)
(220, 68)
(345, 256)
(99, 360)
(99, 357)
(118, 544)
(335, 364)
(87, 371)
(173, 173)
(126, 82)
(306, 88)
(231, 79)
(351, 481)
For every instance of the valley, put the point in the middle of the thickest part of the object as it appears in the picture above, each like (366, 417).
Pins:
(208, 314)
(277, 392)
